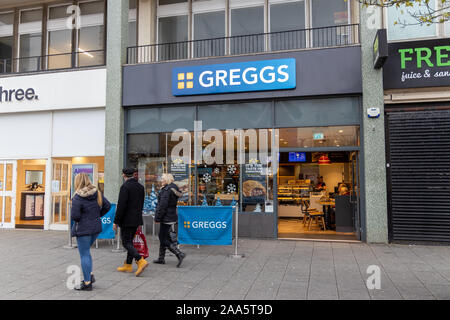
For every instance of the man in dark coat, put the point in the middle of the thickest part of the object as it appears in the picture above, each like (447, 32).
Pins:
(129, 218)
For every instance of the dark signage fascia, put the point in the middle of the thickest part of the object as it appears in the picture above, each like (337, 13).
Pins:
(416, 64)
(380, 49)
(324, 72)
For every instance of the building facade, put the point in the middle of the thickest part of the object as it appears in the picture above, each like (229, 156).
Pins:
(272, 105)
(251, 103)
(416, 96)
(52, 109)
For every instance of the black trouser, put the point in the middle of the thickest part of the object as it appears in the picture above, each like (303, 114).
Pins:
(165, 241)
(127, 235)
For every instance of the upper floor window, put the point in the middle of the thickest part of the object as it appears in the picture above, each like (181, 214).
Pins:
(206, 28)
(30, 40)
(247, 28)
(164, 2)
(326, 13)
(74, 37)
(91, 35)
(401, 25)
(6, 41)
(132, 24)
(287, 24)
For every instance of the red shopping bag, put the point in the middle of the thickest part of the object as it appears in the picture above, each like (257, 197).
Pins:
(140, 243)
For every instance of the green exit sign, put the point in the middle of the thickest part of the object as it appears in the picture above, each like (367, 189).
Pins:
(318, 136)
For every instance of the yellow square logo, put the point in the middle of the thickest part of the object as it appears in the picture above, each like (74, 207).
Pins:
(180, 76)
(180, 85)
(190, 84)
(187, 224)
(190, 76)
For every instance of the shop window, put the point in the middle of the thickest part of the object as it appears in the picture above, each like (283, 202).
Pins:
(160, 119)
(317, 112)
(30, 40)
(330, 14)
(173, 37)
(91, 34)
(207, 28)
(287, 21)
(229, 163)
(397, 31)
(59, 38)
(313, 137)
(247, 28)
(6, 41)
(241, 115)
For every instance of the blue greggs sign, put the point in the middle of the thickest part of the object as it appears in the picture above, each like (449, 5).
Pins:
(262, 75)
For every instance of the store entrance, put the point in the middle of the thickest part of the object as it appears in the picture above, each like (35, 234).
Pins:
(318, 195)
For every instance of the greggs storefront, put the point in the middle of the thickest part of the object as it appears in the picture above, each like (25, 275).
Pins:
(277, 135)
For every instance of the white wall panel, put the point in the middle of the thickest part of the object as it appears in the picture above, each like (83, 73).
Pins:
(79, 133)
(25, 135)
(54, 91)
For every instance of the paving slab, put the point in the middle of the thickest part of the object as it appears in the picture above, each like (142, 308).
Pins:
(272, 269)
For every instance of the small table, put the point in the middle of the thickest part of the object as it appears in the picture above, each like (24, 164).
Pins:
(327, 211)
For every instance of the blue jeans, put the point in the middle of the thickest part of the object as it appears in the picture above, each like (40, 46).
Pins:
(84, 248)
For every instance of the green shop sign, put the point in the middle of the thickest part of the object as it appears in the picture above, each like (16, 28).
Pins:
(417, 64)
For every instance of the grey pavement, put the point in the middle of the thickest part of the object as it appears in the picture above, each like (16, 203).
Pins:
(34, 264)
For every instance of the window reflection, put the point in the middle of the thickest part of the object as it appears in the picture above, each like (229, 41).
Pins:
(30, 40)
(221, 176)
(314, 137)
(247, 28)
(326, 13)
(286, 23)
(173, 34)
(59, 39)
(91, 35)
(210, 26)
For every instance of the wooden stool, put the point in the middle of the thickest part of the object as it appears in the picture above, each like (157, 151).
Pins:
(316, 216)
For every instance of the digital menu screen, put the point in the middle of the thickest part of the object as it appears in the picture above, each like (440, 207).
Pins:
(297, 156)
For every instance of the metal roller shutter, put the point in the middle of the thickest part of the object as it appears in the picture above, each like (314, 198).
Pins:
(419, 175)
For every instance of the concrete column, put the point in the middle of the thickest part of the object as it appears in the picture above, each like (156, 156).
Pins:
(117, 34)
(374, 163)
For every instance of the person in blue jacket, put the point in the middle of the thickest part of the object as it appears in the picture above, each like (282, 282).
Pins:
(88, 206)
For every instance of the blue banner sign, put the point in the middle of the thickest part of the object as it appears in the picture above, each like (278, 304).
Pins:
(107, 224)
(262, 75)
(205, 225)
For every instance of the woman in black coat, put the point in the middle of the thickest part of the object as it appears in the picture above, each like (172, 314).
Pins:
(88, 205)
(166, 215)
